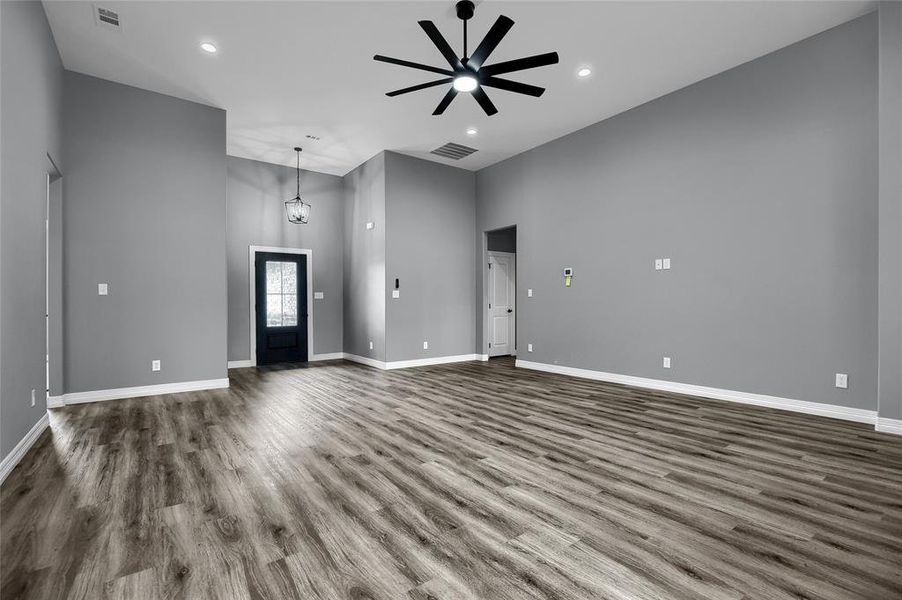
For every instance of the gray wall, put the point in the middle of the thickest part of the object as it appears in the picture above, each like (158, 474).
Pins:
(502, 240)
(30, 118)
(364, 260)
(256, 216)
(144, 203)
(759, 184)
(890, 303)
(430, 215)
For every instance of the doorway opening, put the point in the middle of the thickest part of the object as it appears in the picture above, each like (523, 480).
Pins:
(500, 306)
(280, 299)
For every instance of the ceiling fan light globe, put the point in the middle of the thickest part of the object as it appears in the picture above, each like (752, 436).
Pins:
(465, 83)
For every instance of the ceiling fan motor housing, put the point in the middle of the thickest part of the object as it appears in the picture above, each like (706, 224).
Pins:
(465, 10)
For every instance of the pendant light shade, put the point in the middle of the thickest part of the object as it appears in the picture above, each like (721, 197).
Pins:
(297, 211)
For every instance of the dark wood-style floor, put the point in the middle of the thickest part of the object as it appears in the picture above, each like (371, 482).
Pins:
(464, 481)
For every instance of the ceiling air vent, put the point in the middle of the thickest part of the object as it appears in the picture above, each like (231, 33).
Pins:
(106, 17)
(454, 151)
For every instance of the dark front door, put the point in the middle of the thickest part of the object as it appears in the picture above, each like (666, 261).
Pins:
(281, 283)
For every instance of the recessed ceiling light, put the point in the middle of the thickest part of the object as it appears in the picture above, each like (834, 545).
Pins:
(472, 131)
(465, 83)
(584, 72)
(208, 47)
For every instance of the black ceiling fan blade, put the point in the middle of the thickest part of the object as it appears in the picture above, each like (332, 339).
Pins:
(442, 44)
(413, 65)
(520, 64)
(445, 102)
(484, 101)
(513, 86)
(422, 86)
(490, 41)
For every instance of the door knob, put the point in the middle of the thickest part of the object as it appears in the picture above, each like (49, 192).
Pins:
(510, 310)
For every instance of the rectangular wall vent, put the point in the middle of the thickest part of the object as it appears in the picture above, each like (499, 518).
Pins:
(454, 151)
(106, 17)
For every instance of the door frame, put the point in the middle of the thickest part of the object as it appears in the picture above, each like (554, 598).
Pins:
(251, 255)
(485, 300)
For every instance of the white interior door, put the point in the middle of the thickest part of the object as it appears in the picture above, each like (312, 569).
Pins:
(502, 296)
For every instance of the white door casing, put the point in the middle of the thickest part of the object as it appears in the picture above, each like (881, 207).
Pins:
(502, 298)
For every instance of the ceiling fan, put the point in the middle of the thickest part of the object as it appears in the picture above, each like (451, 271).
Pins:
(468, 73)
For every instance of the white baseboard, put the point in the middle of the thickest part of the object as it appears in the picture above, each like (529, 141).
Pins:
(327, 356)
(364, 360)
(482, 357)
(241, 364)
(140, 391)
(885, 425)
(15, 455)
(435, 360)
(417, 362)
(56, 401)
(812, 408)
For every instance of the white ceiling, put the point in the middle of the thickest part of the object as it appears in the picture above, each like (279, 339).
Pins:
(288, 69)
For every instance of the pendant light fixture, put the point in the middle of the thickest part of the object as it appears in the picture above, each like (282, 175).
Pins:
(297, 210)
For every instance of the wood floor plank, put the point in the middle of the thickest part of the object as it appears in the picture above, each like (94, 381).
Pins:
(336, 481)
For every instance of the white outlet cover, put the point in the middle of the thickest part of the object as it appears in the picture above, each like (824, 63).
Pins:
(842, 380)
(370, 225)
(103, 289)
(666, 362)
(529, 347)
(318, 295)
(396, 293)
(659, 264)
(371, 345)
(155, 365)
(425, 345)
(666, 263)
(529, 293)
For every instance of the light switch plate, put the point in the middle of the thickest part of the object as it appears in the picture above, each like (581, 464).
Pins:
(529, 347)
(842, 380)
(318, 295)
(155, 365)
(659, 264)
(425, 345)
(529, 293)
(666, 362)
(371, 345)
(396, 293)
(103, 289)
(666, 263)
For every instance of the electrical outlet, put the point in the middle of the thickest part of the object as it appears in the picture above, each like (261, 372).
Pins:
(659, 264)
(103, 289)
(529, 347)
(842, 380)
(666, 262)
(370, 225)
(529, 293)
(666, 362)
(371, 345)
(318, 295)
(396, 293)
(155, 365)
(32, 397)
(425, 345)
